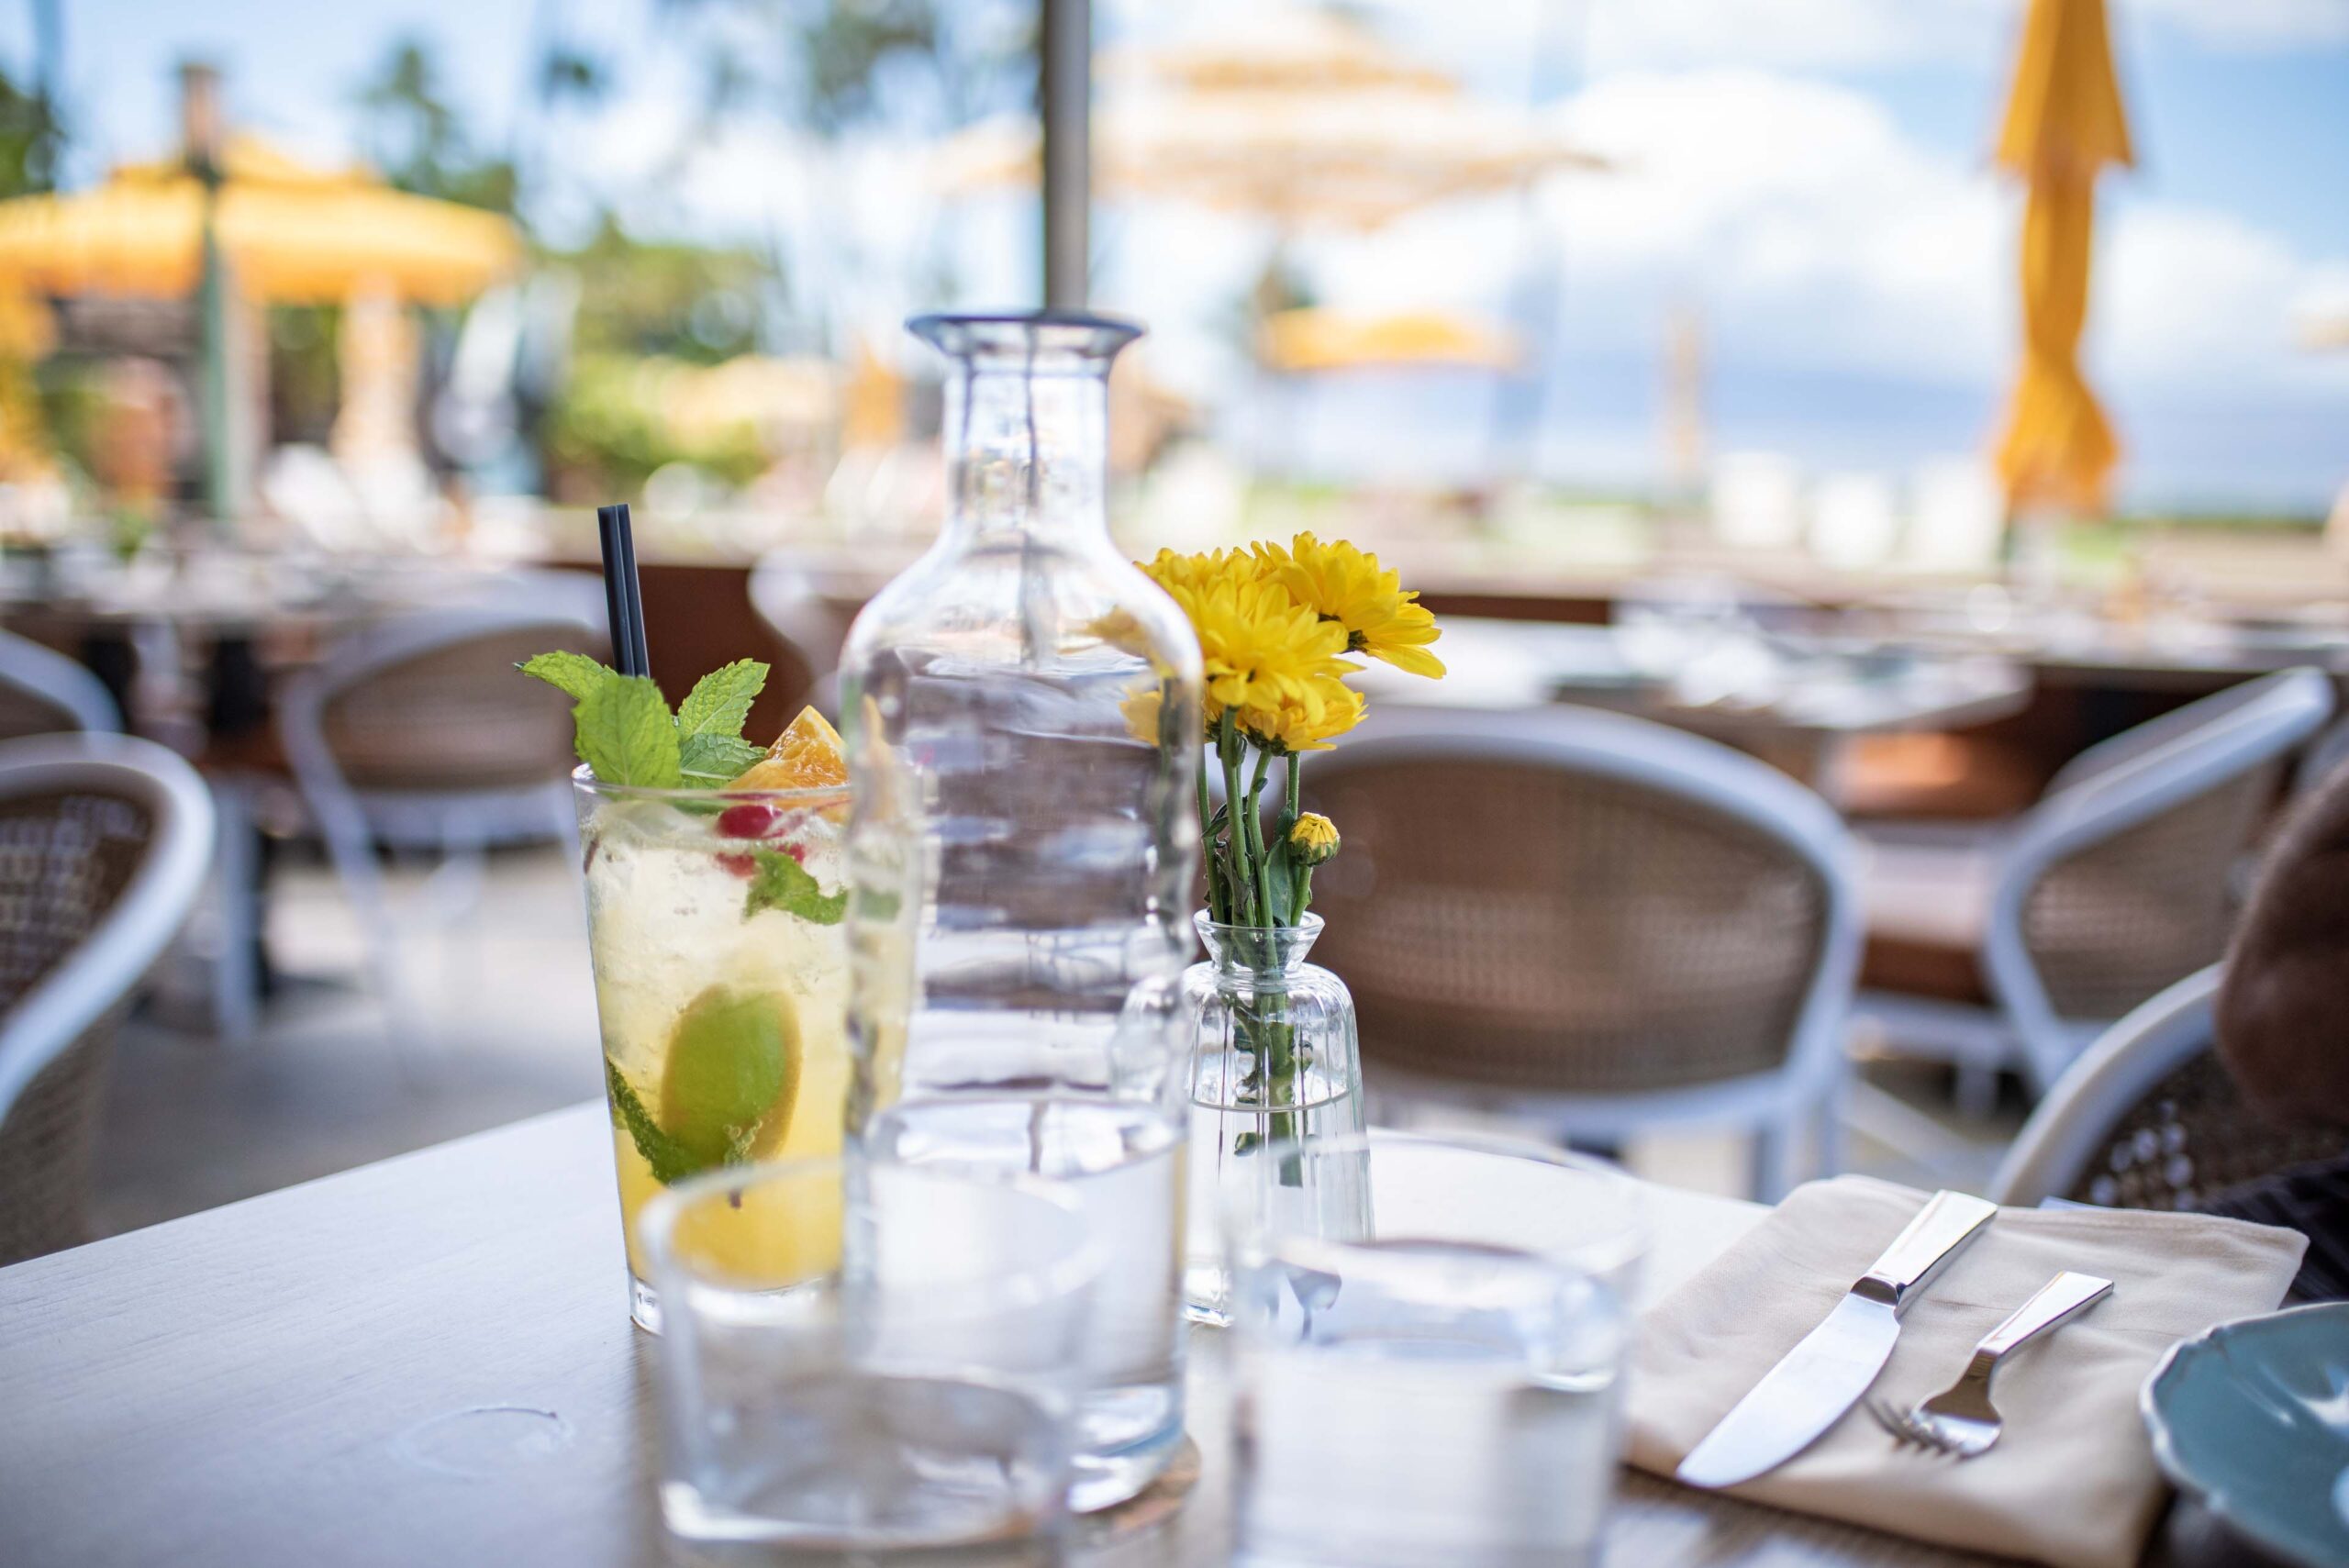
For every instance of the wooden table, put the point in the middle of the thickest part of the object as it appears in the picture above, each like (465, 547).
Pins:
(270, 1384)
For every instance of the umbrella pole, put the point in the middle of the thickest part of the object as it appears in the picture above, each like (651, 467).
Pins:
(1066, 94)
(212, 305)
(200, 128)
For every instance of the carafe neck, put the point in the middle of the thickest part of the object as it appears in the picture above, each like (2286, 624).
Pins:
(1027, 424)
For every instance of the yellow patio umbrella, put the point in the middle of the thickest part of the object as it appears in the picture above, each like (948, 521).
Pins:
(1312, 339)
(2063, 125)
(292, 233)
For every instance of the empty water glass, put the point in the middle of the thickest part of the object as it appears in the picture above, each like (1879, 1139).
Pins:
(1121, 1159)
(902, 1388)
(1438, 1383)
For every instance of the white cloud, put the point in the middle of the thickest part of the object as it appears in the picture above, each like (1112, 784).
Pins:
(1815, 236)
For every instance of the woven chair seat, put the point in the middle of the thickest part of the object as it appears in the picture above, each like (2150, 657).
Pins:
(2193, 1138)
(65, 857)
(2112, 925)
(1537, 928)
(456, 718)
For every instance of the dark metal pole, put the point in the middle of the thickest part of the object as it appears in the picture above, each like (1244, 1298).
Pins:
(1068, 98)
(202, 138)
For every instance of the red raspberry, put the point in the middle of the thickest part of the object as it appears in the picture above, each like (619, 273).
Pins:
(751, 820)
(742, 866)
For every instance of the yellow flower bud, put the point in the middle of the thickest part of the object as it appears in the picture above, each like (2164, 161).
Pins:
(1313, 840)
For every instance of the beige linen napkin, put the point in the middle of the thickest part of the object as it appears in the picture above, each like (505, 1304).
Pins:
(2072, 1482)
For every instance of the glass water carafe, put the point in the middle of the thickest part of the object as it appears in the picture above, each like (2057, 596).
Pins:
(1022, 708)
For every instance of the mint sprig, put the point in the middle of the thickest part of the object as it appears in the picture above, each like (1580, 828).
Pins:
(671, 1160)
(626, 735)
(781, 883)
(707, 760)
(721, 700)
(625, 731)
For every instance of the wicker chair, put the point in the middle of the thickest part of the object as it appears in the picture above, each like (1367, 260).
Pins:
(2121, 881)
(1592, 921)
(103, 844)
(44, 692)
(2148, 1118)
(2123, 878)
(418, 734)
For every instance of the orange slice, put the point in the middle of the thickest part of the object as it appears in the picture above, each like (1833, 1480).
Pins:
(806, 755)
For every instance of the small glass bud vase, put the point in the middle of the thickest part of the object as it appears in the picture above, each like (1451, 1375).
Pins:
(1275, 1058)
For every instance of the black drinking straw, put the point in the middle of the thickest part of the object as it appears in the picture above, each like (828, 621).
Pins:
(623, 597)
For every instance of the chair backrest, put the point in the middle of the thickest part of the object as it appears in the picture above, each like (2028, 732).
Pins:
(430, 701)
(103, 844)
(2121, 881)
(1575, 902)
(44, 692)
(2148, 1118)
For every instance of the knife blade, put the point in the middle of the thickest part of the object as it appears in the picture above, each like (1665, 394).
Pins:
(1820, 1378)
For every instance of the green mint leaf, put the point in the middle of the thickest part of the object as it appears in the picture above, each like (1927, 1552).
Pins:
(782, 882)
(625, 733)
(574, 673)
(671, 1160)
(721, 700)
(715, 759)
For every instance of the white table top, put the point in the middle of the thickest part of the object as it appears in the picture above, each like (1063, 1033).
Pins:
(256, 1386)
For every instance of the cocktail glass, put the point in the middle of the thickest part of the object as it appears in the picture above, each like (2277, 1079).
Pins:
(714, 923)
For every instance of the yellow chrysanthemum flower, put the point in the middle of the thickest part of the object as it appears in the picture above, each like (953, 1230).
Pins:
(1290, 728)
(1344, 585)
(1171, 571)
(1262, 648)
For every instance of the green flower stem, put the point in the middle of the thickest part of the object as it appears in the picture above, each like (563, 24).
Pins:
(1300, 894)
(1217, 906)
(1239, 889)
(1262, 867)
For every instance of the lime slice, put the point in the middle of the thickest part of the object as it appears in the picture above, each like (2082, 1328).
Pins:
(731, 1074)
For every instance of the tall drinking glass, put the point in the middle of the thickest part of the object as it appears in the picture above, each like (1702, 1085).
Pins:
(714, 921)
(911, 1404)
(1442, 1384)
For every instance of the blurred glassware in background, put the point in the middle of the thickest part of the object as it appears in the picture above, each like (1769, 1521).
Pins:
(907, 1389)
(1436, 1379)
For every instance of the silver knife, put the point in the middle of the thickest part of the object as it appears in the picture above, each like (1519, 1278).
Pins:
(1818, 1379)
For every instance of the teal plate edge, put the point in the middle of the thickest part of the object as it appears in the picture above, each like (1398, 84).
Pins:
(2212, 1491)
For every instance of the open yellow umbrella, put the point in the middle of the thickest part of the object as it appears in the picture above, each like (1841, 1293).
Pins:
(2063, 123)
(291, 234)
(1312, 338)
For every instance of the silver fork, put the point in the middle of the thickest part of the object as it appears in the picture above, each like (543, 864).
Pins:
(1961, 1420)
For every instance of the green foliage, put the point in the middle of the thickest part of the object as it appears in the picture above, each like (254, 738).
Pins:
(699, 304)
(610, 426)
(31, 138)
(413, 134)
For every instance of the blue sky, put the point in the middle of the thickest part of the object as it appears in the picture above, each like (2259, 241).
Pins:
(1810, 179)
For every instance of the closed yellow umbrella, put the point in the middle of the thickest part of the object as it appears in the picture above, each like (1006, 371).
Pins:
(292, 234)
(2063, 123)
